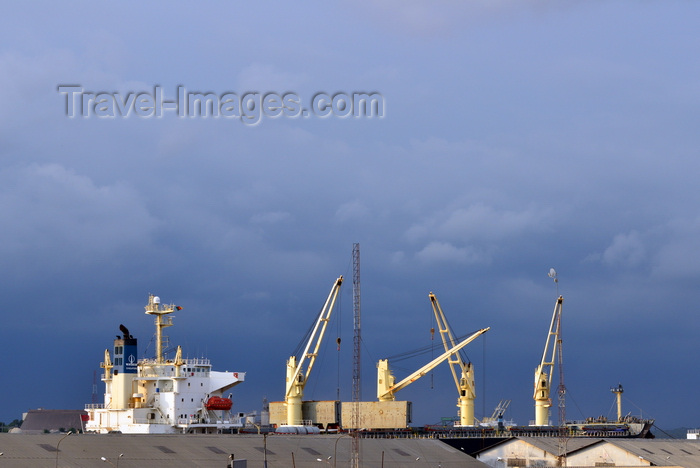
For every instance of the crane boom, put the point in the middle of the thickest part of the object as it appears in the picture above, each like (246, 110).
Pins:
(462, 372)
(296, 377)
(386, 388)
(543, 372)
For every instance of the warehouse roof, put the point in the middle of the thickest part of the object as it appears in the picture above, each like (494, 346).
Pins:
(204, 450)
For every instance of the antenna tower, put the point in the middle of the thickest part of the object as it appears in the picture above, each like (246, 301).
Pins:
(356, 389)
(94, 386)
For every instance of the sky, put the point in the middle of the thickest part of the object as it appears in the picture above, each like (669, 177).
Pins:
(514, 137)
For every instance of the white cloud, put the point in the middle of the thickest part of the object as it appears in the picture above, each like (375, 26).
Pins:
(479, 221)
(670, 249)
(678, 256)
(626, 250)
(351, 211)
(52, 211)
(445, 252)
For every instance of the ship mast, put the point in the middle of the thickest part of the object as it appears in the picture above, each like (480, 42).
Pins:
(618, 391)
(154, 307)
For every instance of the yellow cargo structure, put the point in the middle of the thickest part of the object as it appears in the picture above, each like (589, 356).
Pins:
(377, 415)
(312, 413)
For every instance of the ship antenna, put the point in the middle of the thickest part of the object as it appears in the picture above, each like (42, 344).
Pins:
(154, 307)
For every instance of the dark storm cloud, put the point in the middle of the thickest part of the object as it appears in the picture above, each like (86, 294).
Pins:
(517, 137)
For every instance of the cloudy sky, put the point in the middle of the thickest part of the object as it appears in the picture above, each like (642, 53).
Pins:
(515, 137)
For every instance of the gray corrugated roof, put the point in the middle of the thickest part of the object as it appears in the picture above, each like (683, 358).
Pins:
(548, 444)
(41, 420)
(551, 444)
(685, 453)
(153, 451)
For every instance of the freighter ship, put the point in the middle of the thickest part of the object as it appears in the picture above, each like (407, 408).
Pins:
(159, 395)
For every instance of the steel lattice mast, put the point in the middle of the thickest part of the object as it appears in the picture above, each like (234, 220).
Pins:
(561, 393)
(561, 390)
(356, 389)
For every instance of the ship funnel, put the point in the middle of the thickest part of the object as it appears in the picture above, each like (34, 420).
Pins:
(125, 353)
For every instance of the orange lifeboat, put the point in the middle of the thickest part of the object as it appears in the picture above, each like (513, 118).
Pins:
(219, 403)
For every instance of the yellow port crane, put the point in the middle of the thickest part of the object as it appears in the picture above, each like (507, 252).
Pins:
(462, 372)
(386, 386)
(296, 376)
(543, 372)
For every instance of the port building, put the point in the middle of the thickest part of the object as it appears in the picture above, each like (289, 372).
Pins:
(590, 452)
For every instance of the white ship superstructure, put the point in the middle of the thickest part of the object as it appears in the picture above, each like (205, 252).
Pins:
(161, 396)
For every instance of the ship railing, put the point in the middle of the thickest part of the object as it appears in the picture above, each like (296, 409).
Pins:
(151, 368)
(600, 420)
(188, 361)
(150, 421)
(89, 406)
(191, 361)
(447, 434)
(187, 421)
(197, 362)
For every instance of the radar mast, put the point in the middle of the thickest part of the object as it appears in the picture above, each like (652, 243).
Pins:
(154, 307)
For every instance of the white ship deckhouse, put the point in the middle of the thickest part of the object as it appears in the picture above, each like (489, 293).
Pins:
(161, 396)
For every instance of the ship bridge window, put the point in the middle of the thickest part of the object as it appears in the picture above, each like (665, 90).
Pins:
(165, 385)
